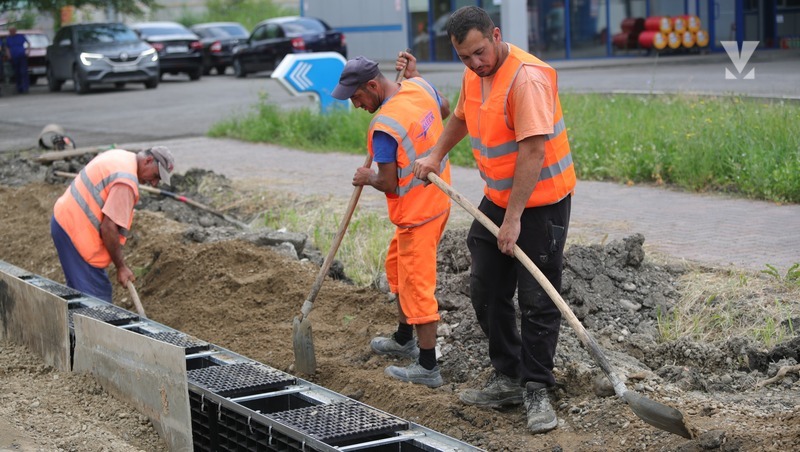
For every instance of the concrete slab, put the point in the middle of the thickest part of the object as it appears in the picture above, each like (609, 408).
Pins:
(148, 374)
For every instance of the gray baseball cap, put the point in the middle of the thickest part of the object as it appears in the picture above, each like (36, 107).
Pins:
(166, 163)
(357, 71)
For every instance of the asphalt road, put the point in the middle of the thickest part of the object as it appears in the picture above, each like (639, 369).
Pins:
(180, 108)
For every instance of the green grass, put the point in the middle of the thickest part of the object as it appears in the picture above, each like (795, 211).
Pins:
(749, 148)
(363, 248)
(715, 306)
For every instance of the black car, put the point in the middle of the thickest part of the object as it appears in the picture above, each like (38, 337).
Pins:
(100, 53)
(179, 50)
(273, 39)
(219, 39)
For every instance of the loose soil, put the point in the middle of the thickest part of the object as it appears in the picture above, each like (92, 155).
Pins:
(240, 291)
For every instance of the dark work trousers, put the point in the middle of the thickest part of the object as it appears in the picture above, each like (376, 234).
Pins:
(20, 65)
(526, 353)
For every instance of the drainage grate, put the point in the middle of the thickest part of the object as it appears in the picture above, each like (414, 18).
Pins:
(240, 379)
(191, 344)
(109, 314)
(339, 422)
(55, 288)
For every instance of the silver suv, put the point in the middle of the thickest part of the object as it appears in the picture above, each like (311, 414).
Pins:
(100, 53)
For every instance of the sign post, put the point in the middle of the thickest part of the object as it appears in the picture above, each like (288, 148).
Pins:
(313, 73)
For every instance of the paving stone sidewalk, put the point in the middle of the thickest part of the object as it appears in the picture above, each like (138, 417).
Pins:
(714, 230)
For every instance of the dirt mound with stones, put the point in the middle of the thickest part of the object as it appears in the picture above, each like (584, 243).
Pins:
(240, 289)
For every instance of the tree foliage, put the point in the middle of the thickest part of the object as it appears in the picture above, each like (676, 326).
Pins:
(53, 7)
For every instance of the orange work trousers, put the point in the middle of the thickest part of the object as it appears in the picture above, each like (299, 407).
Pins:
(411, 269)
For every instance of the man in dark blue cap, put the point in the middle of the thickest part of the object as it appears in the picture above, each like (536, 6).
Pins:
(409, 123)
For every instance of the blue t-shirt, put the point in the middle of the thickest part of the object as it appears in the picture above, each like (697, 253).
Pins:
(384, 147)
(16, 45)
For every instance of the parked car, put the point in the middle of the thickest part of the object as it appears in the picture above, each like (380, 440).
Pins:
(179, 50)
(38, 42)
(100, 53)
(219, 39)
(273, 39)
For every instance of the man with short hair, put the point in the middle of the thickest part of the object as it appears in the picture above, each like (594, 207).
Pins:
(510, 108)
(91, 220)
(17, 48)
(406, 127)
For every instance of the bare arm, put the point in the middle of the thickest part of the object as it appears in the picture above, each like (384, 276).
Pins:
(526, 174)
(445, 107)
(384, 180)
(454, 131)
(109, 232)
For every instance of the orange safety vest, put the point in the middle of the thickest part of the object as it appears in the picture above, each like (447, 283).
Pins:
(494, 144)
(79, 210)
(413, 118)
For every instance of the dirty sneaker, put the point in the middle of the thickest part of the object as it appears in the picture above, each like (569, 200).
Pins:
(541, 417)
(388, 346)
(415, 373)
(499, 391)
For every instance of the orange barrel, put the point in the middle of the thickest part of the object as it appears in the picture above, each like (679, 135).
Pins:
(673, 40)
(652, 39)
(701, 38)
(687, 39)
(692, 22)
(658, 23)
(679, 24)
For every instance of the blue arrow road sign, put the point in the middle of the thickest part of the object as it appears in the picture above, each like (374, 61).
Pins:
(313, 73)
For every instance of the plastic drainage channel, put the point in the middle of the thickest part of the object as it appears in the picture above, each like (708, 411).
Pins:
(239, 379)
(241, 405)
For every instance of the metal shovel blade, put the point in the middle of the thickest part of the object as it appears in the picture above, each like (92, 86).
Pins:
(658, 415)
(305, 360)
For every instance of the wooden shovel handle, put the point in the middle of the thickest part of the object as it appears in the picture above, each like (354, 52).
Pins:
(583, 335)
(337, 240)
(136, 301)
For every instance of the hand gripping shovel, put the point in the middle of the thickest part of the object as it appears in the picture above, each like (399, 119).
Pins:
(654, 413)
(305, 361)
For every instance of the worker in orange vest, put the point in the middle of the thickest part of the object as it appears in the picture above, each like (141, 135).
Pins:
(405, 129)
(93, 217)
(510, 108)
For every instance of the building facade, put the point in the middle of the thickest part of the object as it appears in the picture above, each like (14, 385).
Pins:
(554, 29)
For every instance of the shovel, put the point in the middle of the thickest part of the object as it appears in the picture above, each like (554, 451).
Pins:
(176, 197)
(136, 301)
(305, 361)
(656, 414)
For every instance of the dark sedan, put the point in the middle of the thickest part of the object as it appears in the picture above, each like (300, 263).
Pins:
(273, 39)
(179, 50)
(219, 39)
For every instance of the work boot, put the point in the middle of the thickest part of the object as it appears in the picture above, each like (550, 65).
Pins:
(499, 391)
(389, 346)
(541, 417)
(415, 373)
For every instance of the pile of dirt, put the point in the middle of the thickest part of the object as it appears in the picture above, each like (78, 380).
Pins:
(209, 280)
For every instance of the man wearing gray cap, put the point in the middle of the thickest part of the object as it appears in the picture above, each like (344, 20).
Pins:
(406, 127)
(93, 217)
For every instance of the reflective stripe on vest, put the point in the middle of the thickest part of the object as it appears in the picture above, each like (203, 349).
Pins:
(493, 140)
(411, 153)
(412, 117)
(96, 192)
